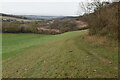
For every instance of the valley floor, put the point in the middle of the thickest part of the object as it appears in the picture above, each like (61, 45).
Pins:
(66, 55)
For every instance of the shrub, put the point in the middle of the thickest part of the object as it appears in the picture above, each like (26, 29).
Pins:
(63, 25)
(29, 28)
(104, 21)
(11, 27)
(16, 27)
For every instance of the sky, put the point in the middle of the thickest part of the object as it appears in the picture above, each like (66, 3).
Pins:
(40, 8)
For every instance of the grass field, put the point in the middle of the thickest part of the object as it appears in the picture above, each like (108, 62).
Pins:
(17, 19)
(65, 55)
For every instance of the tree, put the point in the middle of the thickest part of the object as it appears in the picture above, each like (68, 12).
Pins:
(95, 5)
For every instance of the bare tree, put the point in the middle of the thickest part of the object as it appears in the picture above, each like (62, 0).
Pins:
(85, 6)
(89, 7)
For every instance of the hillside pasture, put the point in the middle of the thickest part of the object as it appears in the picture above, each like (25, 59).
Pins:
(65, 55)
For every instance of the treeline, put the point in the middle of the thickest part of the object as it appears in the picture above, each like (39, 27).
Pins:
(17, 27)
(8, 15)
(104, 20)
(56, 27)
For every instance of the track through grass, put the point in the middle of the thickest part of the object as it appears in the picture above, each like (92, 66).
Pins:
(55, 56)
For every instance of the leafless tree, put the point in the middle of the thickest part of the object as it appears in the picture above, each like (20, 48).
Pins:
(89, 7)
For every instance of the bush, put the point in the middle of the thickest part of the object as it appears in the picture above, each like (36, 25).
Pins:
(17, 27)
(11, 27)
(29, 28)
(104, 21)
(63, 25)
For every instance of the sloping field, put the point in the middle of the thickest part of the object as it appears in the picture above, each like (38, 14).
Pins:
(17, 19)
(65, 55)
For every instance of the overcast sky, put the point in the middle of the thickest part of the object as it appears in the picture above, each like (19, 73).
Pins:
(41, 8)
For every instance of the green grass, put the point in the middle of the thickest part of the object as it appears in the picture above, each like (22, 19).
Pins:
(55, 56)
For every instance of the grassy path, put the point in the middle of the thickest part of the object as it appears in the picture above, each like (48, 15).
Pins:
(55, 56)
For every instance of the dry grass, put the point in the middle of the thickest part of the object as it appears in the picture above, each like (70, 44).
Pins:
(101, 40)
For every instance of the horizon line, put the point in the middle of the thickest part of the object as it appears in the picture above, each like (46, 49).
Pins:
(37, 14)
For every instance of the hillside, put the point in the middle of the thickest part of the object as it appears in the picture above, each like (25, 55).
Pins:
(41, 17)
(9, 18)
(14, 16)
(66, 55)
(65, 47)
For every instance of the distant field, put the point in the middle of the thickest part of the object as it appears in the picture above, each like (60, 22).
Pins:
(65, 55)
(18, 19)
